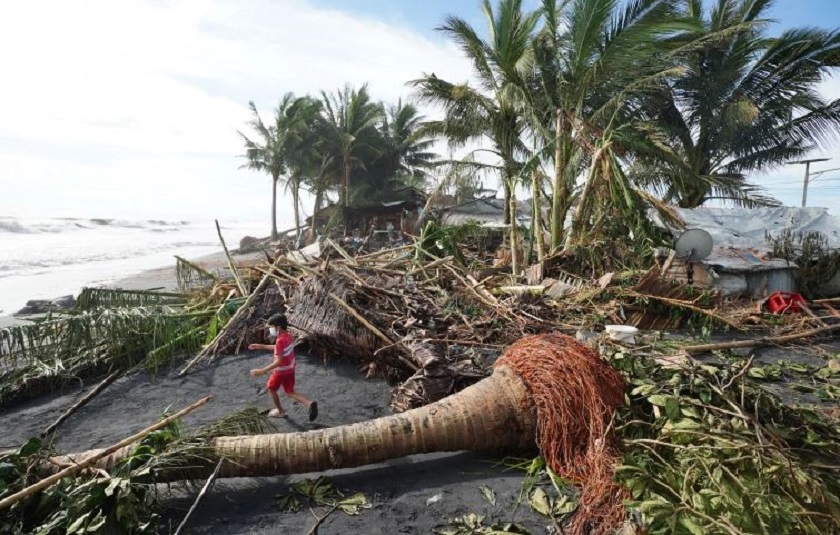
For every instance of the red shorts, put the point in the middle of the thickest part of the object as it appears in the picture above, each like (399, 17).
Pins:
(286, 380)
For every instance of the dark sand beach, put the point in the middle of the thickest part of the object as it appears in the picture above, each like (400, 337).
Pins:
(409, 495)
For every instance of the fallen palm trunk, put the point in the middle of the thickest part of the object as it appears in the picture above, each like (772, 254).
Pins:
(545, 389)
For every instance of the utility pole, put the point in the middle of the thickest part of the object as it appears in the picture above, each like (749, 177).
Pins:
(807, 176)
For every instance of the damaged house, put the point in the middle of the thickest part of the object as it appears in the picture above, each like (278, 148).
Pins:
(741, 261)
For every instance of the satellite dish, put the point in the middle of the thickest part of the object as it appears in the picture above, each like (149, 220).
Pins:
(693, 245)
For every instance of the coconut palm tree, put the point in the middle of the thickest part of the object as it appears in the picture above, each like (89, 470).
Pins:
(404, 157)
(408, 147)
(593, 58)
(298, 139)
(351, 132)
(492, 110)
(264, 153)
(746, 102)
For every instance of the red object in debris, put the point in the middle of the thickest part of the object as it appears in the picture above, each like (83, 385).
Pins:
(782, 302)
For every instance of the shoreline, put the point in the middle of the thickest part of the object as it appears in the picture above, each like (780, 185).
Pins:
(162, 277)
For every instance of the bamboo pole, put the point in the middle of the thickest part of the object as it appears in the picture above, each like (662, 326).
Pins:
(350, 310)
(431, 265)
(775, 340)
(341, 251)
(231, 264)
(82, 402)
(687, 306)
(198, 498)
(101, 454)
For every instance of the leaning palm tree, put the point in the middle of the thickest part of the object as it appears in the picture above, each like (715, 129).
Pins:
(494, 109)
(264, 154)
(746, 102)
(351, 132)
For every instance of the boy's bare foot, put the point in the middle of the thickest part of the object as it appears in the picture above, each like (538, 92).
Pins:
(274, 413)
(313, 410)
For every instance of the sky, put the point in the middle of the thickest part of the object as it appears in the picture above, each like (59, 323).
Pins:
(130, 108)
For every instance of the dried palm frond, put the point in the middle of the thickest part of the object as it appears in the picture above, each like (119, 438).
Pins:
(191, 276)
(93, 298)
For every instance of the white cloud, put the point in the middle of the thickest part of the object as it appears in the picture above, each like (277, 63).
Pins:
(132, 107)
(786, 182)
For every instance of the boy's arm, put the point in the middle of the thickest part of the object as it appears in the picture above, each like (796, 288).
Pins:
(262, 371)
(266, 347)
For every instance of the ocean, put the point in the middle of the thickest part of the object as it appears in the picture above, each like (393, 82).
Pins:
(45, 258)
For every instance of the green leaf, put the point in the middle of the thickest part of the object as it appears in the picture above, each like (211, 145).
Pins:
(32, 446)
(688, 523)
(659, 400)
(672, 409)
(488, 494)
(564, 506)
(6, 469)
(353, 505)
(76, 526)
(540, 504)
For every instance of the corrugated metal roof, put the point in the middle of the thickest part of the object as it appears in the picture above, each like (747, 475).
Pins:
(737, 259)
(740, 234)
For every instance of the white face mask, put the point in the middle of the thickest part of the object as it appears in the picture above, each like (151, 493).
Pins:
(272, 331)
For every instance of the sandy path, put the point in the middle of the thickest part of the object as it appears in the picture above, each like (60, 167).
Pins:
(399, 489)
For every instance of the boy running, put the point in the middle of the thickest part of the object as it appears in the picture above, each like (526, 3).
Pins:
(283, 366)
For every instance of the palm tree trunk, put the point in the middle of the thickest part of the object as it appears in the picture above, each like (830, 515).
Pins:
(346, 195)
(536, 223)
(274, 207)
(494, 415)
(506, 187)
(583, 211)
(319, 199)
(514, 230)
(296, 201)
(560, 195)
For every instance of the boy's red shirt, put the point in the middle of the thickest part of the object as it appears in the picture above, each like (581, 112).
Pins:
(285, 351)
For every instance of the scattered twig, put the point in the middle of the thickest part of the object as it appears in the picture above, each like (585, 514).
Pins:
(76, 406)
(239, 313)
(198, 498)
(314, 529)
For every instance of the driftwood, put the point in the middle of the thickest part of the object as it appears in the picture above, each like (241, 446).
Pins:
(92, 459)
(76, 406)
(775, 340)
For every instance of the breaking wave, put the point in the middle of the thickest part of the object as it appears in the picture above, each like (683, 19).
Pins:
(72, 224)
